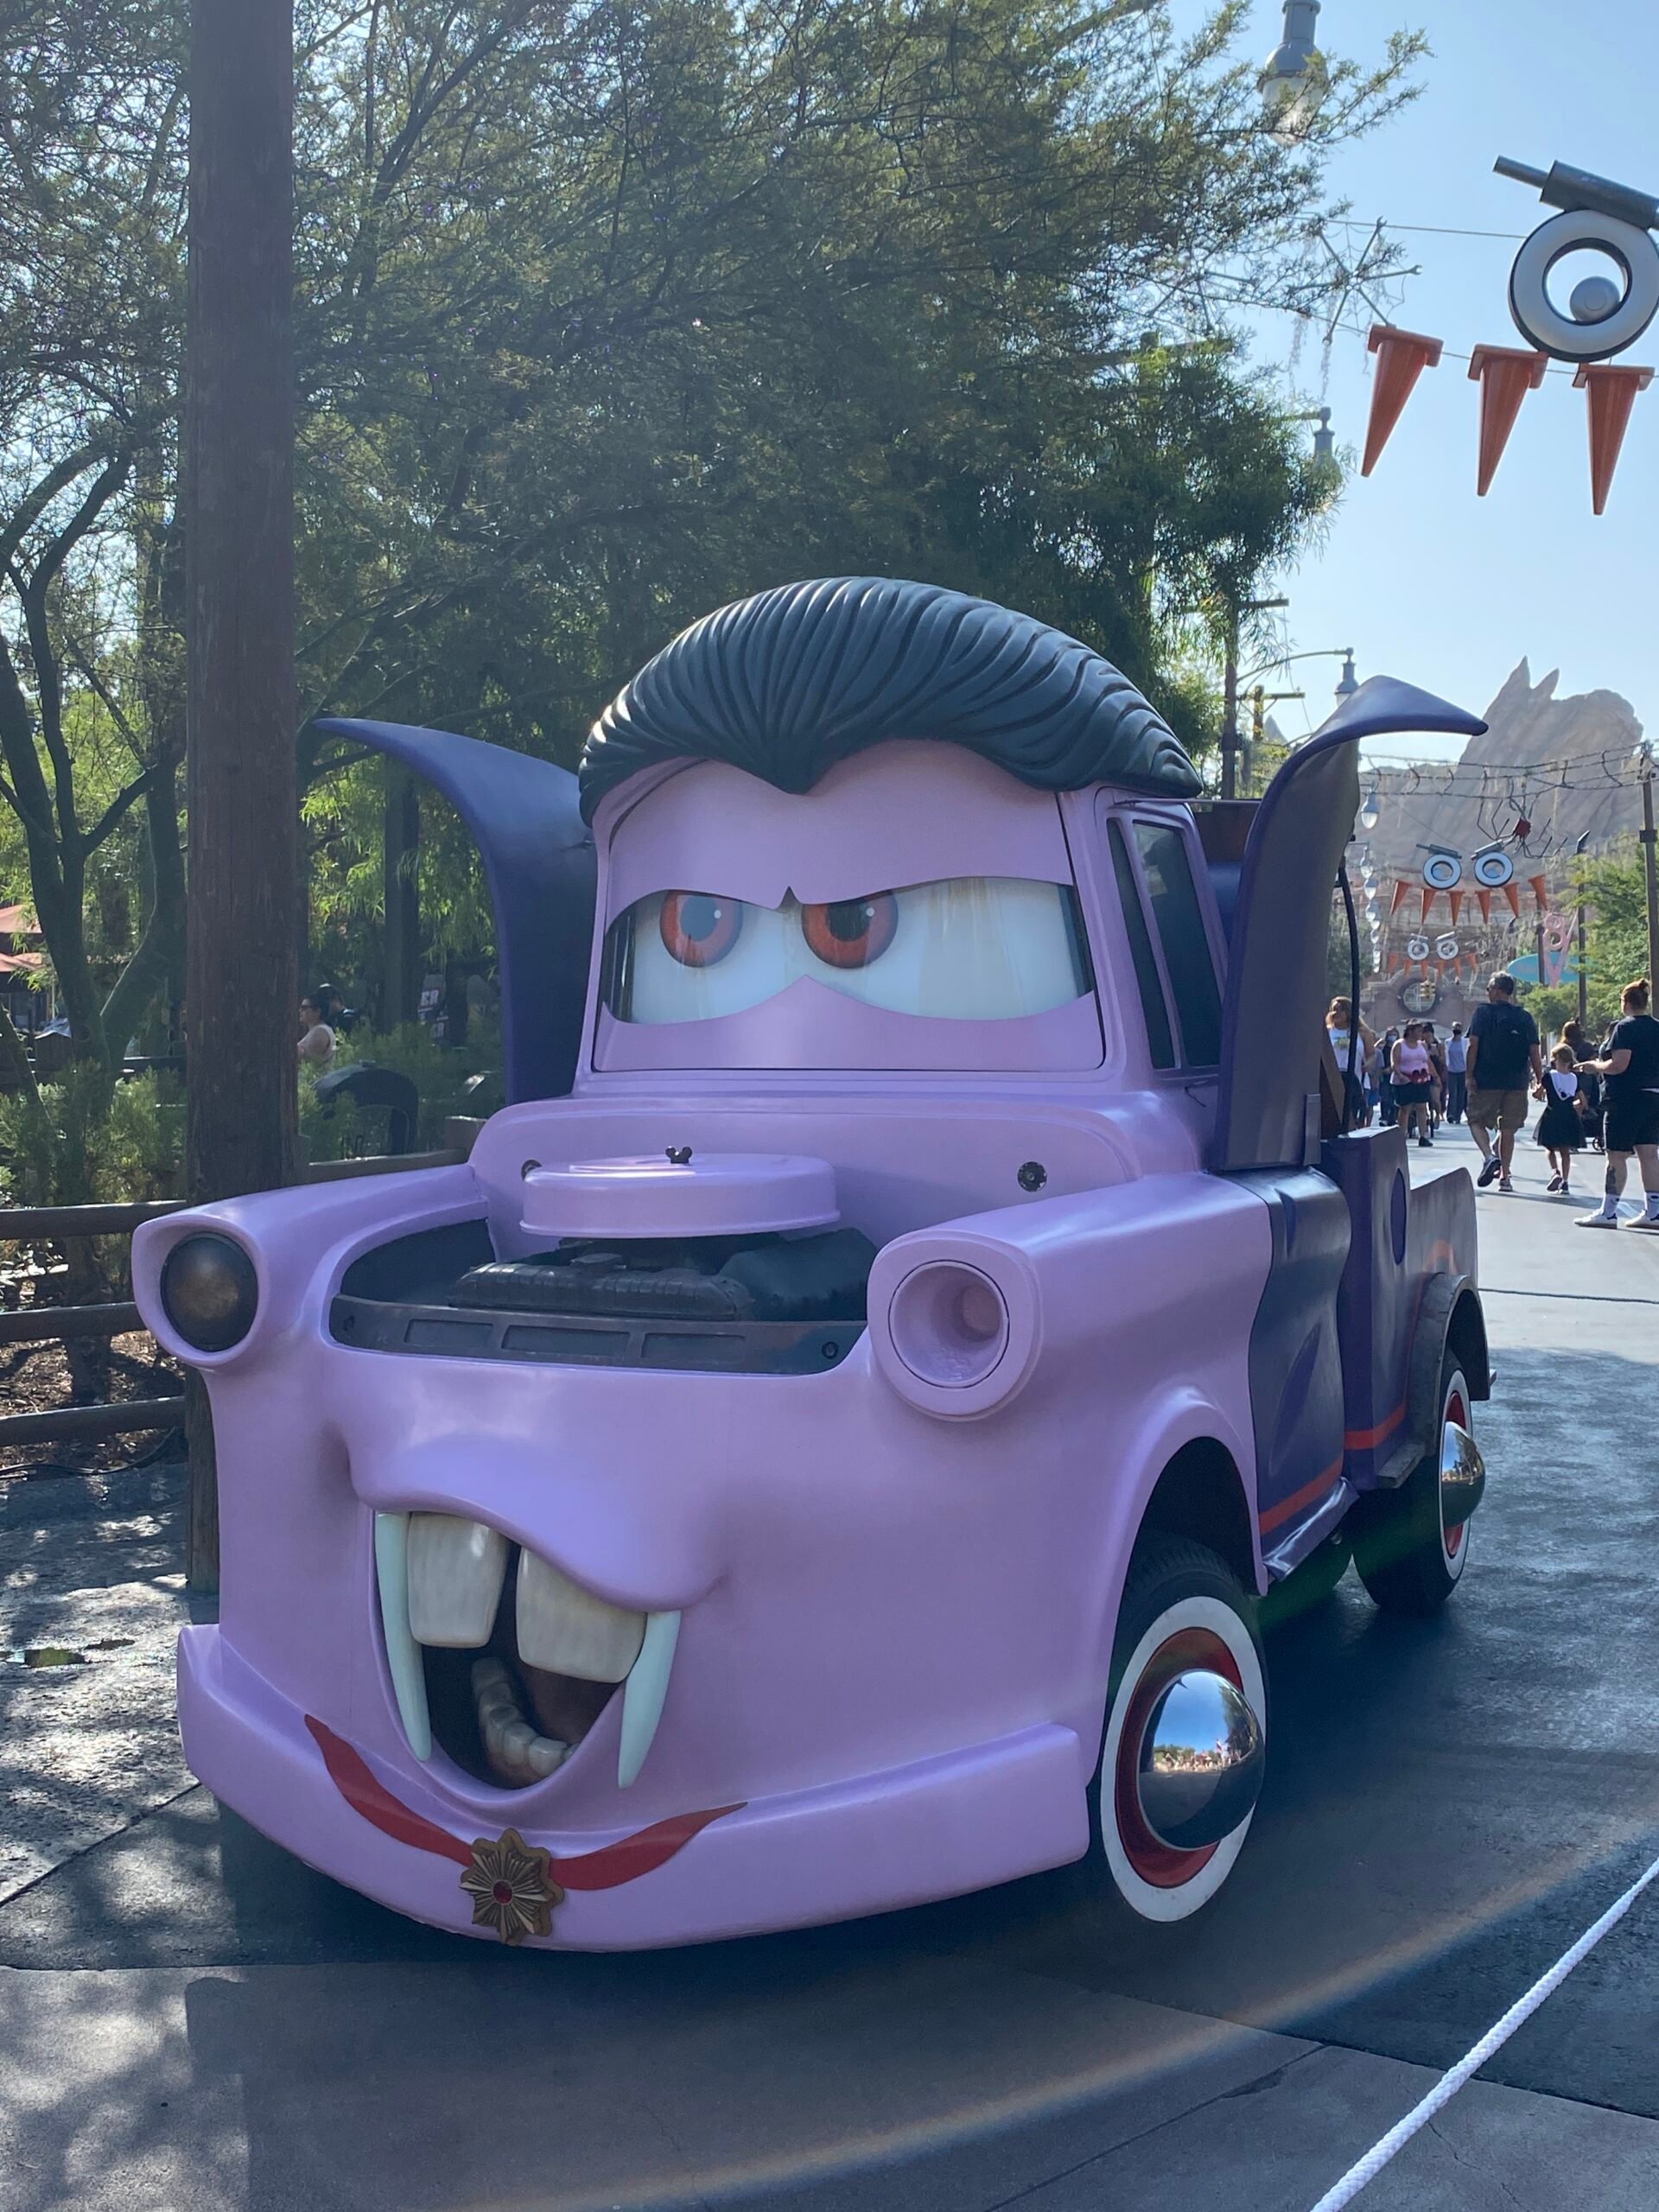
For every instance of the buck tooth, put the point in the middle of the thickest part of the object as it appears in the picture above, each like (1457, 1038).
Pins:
(456, 1572)
(642, 1700)
(403, 1653)
(565, 1629)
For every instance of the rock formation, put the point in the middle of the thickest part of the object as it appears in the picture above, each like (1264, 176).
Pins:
(1567, 767)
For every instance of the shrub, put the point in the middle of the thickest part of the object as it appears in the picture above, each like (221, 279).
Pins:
(338, 1130)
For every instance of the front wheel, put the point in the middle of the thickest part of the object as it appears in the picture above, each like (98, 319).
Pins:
(1185, 1732)
(1411, 1545)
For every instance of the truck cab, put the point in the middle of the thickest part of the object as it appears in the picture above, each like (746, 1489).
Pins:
(831, 1445)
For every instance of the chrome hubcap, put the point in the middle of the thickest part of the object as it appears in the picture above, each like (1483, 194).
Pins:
(1201, 1763)
(1463, 1479)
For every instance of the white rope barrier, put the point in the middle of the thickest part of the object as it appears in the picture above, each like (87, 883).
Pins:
(1368, 2168)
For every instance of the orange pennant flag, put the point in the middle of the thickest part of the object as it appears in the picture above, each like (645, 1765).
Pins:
(1428, 898)
(1505, 374)
(1483, 899)
(1402, 357)
(1512, 893)
(1402, 891)
(1454, 900)
(1611, 392)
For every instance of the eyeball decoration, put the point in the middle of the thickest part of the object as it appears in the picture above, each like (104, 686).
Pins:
(851, 932)
(1442, 871)
(1493, 867)
(1607, 312)
(1417, 948)
(1445, 947)
(698, 929)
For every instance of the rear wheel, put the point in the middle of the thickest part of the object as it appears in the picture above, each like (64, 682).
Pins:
(1186, 1618)
(1411, 1544)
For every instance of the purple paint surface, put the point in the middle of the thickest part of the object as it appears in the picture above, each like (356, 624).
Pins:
(897, 1580)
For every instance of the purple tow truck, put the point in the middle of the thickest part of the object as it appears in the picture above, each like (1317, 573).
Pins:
(834, 1443)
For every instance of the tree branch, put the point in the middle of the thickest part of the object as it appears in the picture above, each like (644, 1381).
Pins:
(110, 818)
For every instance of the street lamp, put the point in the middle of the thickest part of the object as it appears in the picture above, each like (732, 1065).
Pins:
(1347, 684)
(1293, 79)
(1325, 438)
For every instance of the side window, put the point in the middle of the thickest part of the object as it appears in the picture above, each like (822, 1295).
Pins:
(1179, 920)
(1159, 1039)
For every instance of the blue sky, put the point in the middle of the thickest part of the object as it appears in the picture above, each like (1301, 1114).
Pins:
(1424, 580)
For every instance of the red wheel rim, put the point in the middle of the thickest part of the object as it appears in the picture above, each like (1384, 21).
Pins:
(1159, 1864)
(1456, 1409)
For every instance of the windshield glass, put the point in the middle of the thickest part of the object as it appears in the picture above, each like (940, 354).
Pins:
(967, 949)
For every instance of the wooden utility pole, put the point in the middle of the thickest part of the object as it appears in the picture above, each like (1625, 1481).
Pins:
(241, 989)
(1233, 612)
(1583, 977)
(1230, 707)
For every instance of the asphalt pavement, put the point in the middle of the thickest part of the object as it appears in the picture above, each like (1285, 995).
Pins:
(188, 2018)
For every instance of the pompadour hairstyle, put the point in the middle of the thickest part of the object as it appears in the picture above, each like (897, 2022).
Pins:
(788, 683)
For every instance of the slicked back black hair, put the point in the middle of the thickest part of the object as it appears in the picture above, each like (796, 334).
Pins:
(788, 683)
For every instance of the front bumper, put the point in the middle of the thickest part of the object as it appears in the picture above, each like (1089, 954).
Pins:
(935, 1828)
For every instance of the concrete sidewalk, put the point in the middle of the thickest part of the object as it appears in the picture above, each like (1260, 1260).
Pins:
(90, 1575)
(937, 2088)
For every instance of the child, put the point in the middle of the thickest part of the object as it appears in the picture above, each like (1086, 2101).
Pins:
(1560, 1131)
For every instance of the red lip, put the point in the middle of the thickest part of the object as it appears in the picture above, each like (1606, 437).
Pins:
(606, 1869)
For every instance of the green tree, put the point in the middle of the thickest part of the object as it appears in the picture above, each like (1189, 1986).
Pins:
(606, 313)
(613, 320)
(91, 716)
(1614, 889)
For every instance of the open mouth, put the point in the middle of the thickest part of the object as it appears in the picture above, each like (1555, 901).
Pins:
(503, 1661)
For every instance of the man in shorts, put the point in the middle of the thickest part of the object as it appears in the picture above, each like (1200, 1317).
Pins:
(1630, 1069)
(1505, 1062)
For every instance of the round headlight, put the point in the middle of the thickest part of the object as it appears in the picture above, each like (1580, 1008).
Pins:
(209, 1292)
(948, 1324)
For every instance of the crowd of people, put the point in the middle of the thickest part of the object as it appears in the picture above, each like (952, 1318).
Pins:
(1603, 1098)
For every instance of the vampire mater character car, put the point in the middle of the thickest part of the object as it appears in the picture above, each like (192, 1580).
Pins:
(832, 1445)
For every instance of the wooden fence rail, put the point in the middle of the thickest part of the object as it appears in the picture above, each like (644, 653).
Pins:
(56, 1324)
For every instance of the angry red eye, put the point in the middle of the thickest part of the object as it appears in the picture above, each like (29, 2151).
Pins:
(851, 932)
(698, 929)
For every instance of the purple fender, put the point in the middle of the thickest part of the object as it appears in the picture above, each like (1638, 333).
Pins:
(983, 1555)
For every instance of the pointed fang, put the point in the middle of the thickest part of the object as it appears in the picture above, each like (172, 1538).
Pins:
(642, 1698)
(403, 1653)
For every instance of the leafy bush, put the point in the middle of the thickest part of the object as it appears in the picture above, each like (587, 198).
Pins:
(339, 1130)
(87, 1140)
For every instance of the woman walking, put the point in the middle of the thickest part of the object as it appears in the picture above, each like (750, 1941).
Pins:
(1386, 1108)
(1437, 1076)
(1338, 1027)
(1560, 1131)
(1414, 1081)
